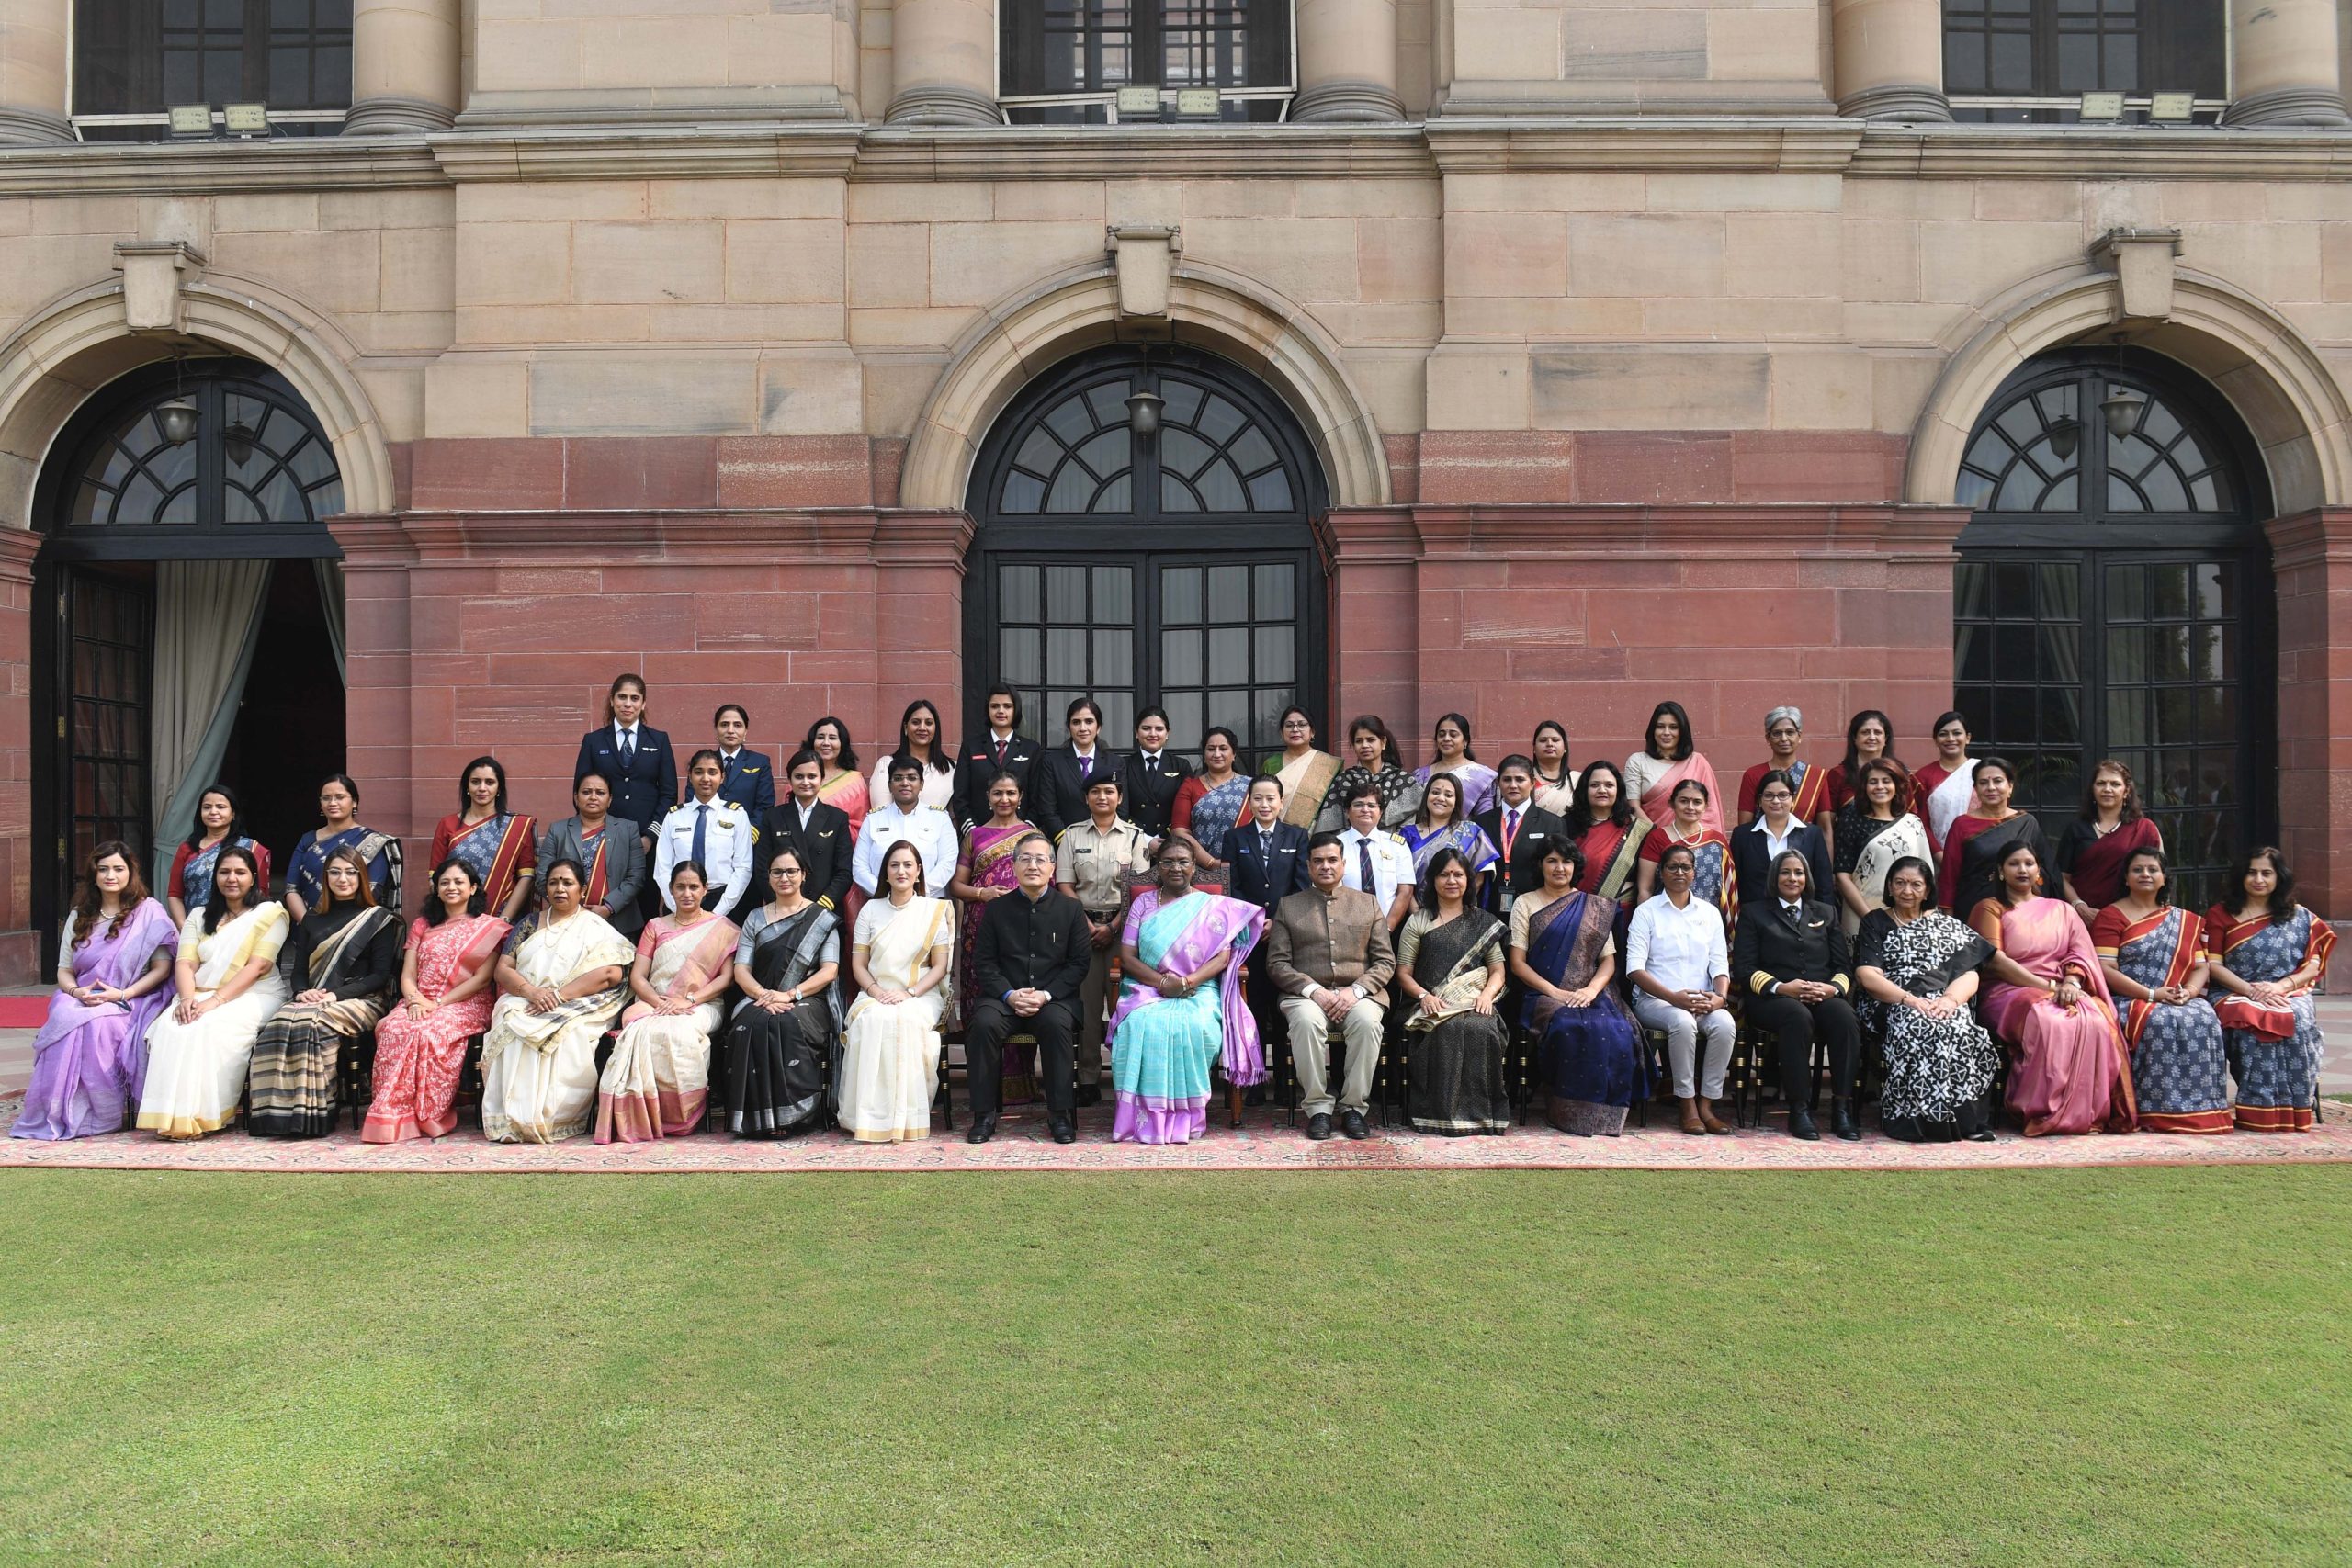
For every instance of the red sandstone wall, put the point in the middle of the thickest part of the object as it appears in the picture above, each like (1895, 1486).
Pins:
(19, 945)
(2312, 559)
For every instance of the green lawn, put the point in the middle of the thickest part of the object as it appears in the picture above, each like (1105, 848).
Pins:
(2071, 1367)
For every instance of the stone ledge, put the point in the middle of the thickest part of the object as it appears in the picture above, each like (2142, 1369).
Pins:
(2086, 152)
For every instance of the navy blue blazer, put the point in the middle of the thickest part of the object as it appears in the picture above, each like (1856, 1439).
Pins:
(749, 784)
(1265, 880)
(642, 794)
(975, 769)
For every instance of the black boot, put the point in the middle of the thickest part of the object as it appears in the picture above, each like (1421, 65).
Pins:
(1841, 1120)
(1801, 1124)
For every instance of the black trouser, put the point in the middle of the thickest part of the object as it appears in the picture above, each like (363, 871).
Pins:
(1055, 1025)
(1795, 1025)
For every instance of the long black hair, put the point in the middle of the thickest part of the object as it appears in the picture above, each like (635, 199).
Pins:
(2282, 897)
(1543, 724)
(1854, 729)
(1684, 743)
(433, 912)
(466, 774)
(849, 751)
(1460, 723)
(216, 906)
(1579, 812)
(1372, 724)
(236, 816)
(943, 760)
(1438, 862)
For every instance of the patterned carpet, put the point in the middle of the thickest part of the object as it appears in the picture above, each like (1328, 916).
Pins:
(1263, 1143)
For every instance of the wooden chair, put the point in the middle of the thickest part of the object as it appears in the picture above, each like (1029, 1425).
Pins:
(469, 1084)
(355, 1073)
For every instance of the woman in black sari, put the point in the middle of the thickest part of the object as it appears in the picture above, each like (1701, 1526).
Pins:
(340, 966)
(1450, 966)
(784, 1034)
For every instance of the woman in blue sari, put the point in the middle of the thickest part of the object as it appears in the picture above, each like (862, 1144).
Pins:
(1442, 822)
(1563, 951)
(339, 829)
(220, 825)
(1208, 804)
(1181, 1009)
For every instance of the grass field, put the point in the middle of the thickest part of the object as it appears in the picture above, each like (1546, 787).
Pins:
(2071, 1367)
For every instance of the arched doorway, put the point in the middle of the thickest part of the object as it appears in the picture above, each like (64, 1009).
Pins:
(1177, 566)
(2112, 599)
(186, 571)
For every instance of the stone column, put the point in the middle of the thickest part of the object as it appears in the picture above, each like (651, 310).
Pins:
(404, 66)
(1888, 58)
(1347, 60)
(944, 60)
(33, 71)
(2285, 63)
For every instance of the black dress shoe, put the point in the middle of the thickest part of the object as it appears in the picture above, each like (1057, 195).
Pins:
(1801, 1124)
(1351, 1123)
(983, 1129)
(1089, 1094)
(1065, 1129)
(1319, 1128)
(1983, 1135)
(1841, 1122)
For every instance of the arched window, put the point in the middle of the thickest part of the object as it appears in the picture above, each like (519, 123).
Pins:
(1175, 567)
(134, 59)
(2030, 60)
(1098, 61)
(2111, 600)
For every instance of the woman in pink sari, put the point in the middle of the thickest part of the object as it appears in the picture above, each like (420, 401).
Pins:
(1181, 1008)
(444, 1000)
(2049, 1004)
(658, 1078)
(1670, 754)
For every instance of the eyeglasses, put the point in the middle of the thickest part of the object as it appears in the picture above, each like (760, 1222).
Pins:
(1032, 859)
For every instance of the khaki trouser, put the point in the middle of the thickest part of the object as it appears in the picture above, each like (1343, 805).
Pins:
(1092, 997)
(1310, 1054)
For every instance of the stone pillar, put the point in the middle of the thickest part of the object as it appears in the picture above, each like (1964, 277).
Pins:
(404, 66)
(1347, 60)
(2312, 562)
(2284, 59)
(33, 71)
(1888, 58)
(944, 60)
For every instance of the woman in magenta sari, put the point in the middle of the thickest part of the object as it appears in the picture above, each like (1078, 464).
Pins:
(114, 972)
(983, 876)
(2049, 1004)
(445, 998)
(1181, 1010)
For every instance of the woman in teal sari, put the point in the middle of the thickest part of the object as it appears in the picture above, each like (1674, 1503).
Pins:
(1181, 1008)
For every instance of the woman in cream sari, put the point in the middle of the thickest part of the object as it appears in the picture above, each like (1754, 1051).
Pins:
(890, 1063)
(560, 983)
(658, 1078)
(1874, 832)
(1307, 773)
(228, 983)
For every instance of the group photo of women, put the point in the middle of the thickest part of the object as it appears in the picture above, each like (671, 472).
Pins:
(724, 942)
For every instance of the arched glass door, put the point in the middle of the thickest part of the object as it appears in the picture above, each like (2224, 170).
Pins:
(213, 460)
(2112, 600)
(1174, 566)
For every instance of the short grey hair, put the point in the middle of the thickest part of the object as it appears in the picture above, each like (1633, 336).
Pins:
(1775, 716)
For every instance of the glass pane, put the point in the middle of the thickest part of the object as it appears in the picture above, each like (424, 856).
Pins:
(1069, 420)
(1017, 653)
(1277, 598)
(1971, 590)
(1183, 401)
(1253, 451)
(1221, 489)
(1228, 656)
(1114, 664)
(1023, 493)
(1276, 648)
(1108, 402)
(1270, 492)
(1231, 709)
(1228, 593)
(1114, 594)
(1066, 593)
(2061, 590)
(1175, 495)
(2127, 593)
(1115, 497)
(1266, 707)
(1185, 452)
(1066, 657)
(1108, 453)
(2169, 590)
(2013, 653)
(1184, 721)
(1179, 594)
(1040, 452)
(1017, 592)
(1973, 653)
(2127, 655)
(1180, 658)
(1219, 420)
(1073, 490)
(2013, 591)
(1119, 714)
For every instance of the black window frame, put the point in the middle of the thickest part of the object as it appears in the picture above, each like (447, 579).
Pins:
(1267, 81)
(122, 88)
(2180, 46)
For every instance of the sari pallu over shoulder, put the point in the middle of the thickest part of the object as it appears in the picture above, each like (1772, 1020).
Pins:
(418, 1060)
(89, 1060)
(1220, 923)
(499, 851)
(778, 1064)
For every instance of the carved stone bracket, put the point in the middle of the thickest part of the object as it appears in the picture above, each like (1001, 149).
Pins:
(1145, 257)
(2141, 260)
(152, 272)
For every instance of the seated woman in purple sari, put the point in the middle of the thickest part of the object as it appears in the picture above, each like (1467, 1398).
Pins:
(1563, 951)
(2048, 1003)
(114, 972)
(1181, 1010)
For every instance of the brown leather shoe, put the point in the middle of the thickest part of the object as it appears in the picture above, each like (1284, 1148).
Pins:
(1708, 1119)
(1691, 1122)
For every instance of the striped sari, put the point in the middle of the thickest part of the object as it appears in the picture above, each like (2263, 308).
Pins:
(293, 1084)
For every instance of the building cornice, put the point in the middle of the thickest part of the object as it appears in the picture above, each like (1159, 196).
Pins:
(1409, 150)
(720, 537)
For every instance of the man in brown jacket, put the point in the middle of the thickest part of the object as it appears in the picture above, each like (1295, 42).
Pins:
(1328, 959)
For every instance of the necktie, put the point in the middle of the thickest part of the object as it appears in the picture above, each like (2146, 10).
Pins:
(1086, 767)
(1364, 865)
(1000, 753)
(1265, 845)
(629, 747)
(702, 824)
(1789, 913)
(1511, 831)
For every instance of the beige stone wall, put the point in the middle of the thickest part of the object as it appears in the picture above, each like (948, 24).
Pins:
(534, 59)
(1608, 56)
